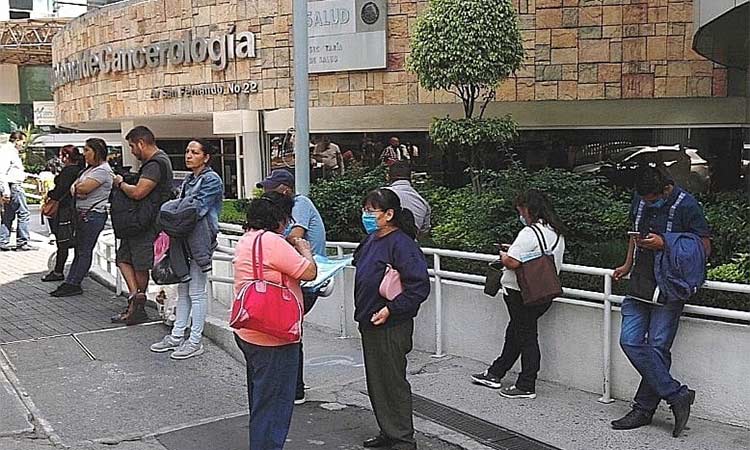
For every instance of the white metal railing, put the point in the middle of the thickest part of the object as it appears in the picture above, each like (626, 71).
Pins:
(604, 300)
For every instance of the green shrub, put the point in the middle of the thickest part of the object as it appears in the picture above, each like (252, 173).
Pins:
(233, 211)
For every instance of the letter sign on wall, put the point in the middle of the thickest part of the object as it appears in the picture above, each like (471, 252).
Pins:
(346, 35)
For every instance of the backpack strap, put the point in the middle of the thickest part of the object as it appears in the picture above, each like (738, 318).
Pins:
(672, 211)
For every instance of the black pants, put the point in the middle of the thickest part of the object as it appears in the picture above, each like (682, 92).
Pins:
(308, 298)
(385, 351)
(61, 257)
(521, 339)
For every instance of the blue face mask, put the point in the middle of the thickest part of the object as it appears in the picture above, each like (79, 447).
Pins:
(523, 221)
(657, 203)
(370, 222)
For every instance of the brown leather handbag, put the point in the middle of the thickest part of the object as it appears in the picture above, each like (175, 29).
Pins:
(538, 277)
(50, 207)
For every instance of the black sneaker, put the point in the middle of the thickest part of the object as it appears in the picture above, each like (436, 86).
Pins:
(487, 379)
(681, 411)
(6, 248)
(514, 392)
(53, 276)
(66, 290)
(25, 247)
(632, 420)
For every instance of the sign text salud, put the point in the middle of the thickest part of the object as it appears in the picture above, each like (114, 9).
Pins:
(346, 35)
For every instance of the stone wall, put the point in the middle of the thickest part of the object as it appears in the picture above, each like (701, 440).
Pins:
(576, 49)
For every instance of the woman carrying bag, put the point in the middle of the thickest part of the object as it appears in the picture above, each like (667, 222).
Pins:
(59, 204)
(271, 357)
(390, 284)
(542, 234)
(205, 187)
(91, 194)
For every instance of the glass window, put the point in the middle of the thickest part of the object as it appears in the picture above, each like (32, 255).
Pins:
(20, 15)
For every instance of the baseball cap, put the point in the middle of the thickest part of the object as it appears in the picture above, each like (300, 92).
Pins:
(277, 177)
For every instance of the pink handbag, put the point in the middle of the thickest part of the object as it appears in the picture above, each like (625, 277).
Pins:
(390, 287)
(267, 307)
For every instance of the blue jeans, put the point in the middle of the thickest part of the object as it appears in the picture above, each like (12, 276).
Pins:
(192, 297)
(646, 338)
(87, 233)
(16, 207)
(271, 380)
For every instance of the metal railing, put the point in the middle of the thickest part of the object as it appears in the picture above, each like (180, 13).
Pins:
(604, 300)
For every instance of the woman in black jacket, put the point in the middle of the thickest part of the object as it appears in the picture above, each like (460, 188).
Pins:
(72, 159)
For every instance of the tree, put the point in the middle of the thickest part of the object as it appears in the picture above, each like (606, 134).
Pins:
(467, 47)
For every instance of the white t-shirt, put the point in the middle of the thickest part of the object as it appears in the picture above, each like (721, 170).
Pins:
(526, 247)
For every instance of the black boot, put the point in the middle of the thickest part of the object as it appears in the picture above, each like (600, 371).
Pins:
(681, 411)
(137, 313)
(632, 420)
(120, 317)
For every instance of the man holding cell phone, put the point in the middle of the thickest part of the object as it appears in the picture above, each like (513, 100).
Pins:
(649, 317)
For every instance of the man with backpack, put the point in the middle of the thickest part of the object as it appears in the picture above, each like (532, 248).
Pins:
(135, 204)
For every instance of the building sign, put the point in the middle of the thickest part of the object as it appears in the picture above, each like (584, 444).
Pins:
(346, 35)
(210, 90)
(188, 50)
(44, 114)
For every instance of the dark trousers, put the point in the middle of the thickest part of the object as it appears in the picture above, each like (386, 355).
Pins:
(61, 256)
(521, 339)
(308, 298)
(646, 337)
(270, 392)
(87, 233)
(385, 351)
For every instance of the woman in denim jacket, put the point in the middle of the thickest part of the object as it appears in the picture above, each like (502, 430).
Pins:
(207, 188)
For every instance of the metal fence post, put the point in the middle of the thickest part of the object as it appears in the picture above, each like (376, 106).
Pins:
(438, 308)
(342, 309)
(607, 341)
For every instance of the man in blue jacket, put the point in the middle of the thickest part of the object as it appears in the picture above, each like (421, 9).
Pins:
(649, 318)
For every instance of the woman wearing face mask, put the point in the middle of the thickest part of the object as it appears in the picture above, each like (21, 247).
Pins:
(72, 160)
(538, 218)
(387, 326)
(91, 193)
(205, 186)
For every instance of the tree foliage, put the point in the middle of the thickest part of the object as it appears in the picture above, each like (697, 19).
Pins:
(466, 47)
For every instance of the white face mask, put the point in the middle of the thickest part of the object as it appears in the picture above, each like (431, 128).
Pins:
(523, 220)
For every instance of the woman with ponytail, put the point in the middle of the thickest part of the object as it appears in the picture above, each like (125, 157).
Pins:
(540, 223)
(387, 326)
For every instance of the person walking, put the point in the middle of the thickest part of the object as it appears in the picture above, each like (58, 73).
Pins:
(206, 188)
(541, 225)
(135, 255)
(12, 175)
(60, 200)
(91, 193)
(306, 224)
(271, 363)
(660, 212)
(387, 326)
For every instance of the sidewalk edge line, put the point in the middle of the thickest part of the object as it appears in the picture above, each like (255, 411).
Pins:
(34, 412)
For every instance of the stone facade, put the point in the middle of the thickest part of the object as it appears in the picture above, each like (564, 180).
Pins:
(575, 50)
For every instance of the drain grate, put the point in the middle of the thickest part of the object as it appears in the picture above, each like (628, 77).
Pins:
(484, 432)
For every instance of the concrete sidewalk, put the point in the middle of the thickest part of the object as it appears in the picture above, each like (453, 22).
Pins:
(93, 387)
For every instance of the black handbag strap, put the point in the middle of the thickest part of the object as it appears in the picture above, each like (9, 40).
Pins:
(540, 239)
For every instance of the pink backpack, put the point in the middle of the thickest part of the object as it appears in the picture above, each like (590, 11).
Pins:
(267, 307)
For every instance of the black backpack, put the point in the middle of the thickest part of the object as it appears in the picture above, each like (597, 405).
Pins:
(133, 217)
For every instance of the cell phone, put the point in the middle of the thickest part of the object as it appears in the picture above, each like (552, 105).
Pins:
(502, 246)
(635, 234)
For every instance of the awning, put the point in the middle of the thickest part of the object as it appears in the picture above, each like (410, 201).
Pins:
(28, 41)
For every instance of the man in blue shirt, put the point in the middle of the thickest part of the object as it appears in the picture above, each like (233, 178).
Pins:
(306, 224)
(650, 321)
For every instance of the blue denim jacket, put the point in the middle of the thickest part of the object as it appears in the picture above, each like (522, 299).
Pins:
(208, 189)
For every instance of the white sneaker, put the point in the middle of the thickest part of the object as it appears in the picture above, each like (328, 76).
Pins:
(168, 343)
(187, 350)
(300, 400)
